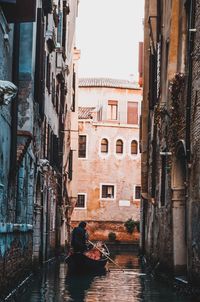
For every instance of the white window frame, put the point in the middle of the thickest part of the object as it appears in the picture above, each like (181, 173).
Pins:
(134, 191)
(85, 194)
(86, 153)
(107, 184)
(111, 113)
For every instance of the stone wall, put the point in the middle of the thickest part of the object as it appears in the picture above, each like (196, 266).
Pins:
(164, 112)
(99, 230)
(15, 255)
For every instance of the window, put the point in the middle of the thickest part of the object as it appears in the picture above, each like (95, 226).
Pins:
(132, 113)
(119, 146)
(137, 193)
(112, 110)
(134, 147)
(104, 145)
(70, 165)
(82, 146)
(48, 74)
(81, 201)
(108, 191)
(163, 180)
(74, 90)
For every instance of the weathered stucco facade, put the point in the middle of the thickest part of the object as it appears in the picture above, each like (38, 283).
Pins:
(103, 169)
(170, 143)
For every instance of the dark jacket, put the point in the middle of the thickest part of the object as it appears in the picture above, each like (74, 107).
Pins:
(78, 241)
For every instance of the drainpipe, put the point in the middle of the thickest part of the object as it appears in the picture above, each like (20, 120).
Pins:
(191, 24)
(190, 42)
(14, 106)
(14, 118)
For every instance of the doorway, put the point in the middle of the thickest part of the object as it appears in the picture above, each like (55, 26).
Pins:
(179, 210)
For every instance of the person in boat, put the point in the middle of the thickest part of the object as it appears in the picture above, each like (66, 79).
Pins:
(79, 238)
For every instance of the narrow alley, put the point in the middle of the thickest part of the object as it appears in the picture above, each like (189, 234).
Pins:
(99, 150)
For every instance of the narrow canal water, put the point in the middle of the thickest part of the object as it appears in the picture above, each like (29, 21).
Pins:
(130, 285)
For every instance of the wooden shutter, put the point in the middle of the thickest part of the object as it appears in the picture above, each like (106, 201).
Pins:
(74, 90)
(152, 80)
(40, 66)
(19, 10)
(70, 165)
(134, 147)
(82, 146)
(132, 113)
(8, 1)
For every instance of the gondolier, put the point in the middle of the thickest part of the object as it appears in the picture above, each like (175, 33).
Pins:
(85, 256)
(79, 238)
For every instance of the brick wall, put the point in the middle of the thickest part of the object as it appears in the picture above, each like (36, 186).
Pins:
(15, 261)
(100, 231)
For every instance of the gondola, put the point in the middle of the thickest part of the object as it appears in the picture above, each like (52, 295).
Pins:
(81, 263)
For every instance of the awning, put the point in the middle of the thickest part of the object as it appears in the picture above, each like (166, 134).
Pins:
(19, 10)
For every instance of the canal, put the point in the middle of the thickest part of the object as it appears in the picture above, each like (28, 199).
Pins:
(128, 285)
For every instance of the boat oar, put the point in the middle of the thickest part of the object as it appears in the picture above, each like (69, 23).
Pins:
(106, 255)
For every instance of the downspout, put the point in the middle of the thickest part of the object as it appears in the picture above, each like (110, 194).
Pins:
(14, 120)
(190, 43)
(191, 24)
(14, 106)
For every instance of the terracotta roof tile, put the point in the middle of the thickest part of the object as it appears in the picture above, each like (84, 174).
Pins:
(107, 82)
(85, 112)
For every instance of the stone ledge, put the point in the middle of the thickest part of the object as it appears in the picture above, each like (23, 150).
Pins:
(15, 227)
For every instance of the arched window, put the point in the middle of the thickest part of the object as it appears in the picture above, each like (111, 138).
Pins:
(104, 145)
(119, 146)
(134, 147)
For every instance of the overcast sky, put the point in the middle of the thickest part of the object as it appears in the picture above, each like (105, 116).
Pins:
(108, 33)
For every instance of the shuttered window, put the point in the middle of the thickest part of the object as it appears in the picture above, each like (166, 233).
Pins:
(119, 146)
(8, 1)
(163, 181)
(82, 146)
(132, 113)
(19, 10)
(70, 165)
(134, 147)
(73, 107)
(104, 145)
(39, 64)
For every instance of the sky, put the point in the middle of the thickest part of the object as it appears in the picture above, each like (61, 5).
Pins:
(108, 33)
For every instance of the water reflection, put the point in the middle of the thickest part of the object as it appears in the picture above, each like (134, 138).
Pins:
(77, 287)
(55, 285)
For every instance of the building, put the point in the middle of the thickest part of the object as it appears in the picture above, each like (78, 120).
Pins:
(108, 157)
(36, 98)
(170, 137)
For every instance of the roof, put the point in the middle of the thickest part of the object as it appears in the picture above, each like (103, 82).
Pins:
(107, 82)
(85, 112)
